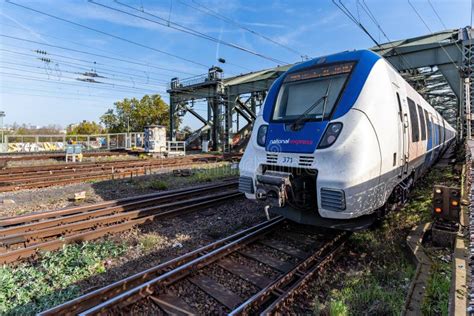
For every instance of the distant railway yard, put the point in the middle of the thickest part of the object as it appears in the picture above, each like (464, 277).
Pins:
(183, 239)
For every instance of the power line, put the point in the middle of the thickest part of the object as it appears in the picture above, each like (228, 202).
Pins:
(114, 77)
(29, 78)
(210, 12)
(85, 63)
(356, 21)
(92, 54)
(429, 29)
(185, 29)
(109, 34)
(370, 14)
(442, 23)
(60, 76)
(51, 86)
(98, 49)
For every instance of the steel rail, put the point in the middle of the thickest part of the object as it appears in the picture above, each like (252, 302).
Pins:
(33, 174)
(26, 252)
(141, 169)
(50, 167)
(74, 223)
(97, 296)
(84, 177)
(149, 287)
(124, 202)
(31, 232)
(287, 285)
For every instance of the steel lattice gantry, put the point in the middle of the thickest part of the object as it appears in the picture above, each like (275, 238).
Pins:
(439, 66)
(230, 101)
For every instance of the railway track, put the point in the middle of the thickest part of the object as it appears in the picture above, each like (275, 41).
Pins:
(17, 178)
(257, 270)
(23, 236)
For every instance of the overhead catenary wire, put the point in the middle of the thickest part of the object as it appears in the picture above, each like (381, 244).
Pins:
(60, 77)
(357, 22)
(82, 63)
(429, 29)
(187, 30)
(105, 75)
(108, 34)
(72, 83)
(91, 54)
(372, 17)
(104, 51)
(441, 21)
(206, 10)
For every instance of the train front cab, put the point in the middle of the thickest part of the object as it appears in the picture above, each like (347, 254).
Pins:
(331, 160)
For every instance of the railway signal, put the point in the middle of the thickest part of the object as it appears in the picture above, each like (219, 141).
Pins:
(446, 203)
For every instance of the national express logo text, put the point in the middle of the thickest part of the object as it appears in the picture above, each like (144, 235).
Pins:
(291, 142)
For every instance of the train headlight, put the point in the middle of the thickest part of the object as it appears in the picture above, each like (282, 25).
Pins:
(332, 132)
(262, 135)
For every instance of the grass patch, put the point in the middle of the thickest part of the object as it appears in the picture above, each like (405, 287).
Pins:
(158, 185)
(212, 174)
(436, 299)
(148, 241)
(30, 288)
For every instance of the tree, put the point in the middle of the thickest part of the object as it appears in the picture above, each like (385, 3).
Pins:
(33, 130)
(85, 128)
(133, 114)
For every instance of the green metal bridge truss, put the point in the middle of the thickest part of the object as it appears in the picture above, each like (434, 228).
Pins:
(439, 66)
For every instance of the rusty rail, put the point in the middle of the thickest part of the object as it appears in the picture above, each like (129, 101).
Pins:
(43, 176)
(153, 284)
(24, 236)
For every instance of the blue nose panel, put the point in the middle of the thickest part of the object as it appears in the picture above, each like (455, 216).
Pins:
(281, 138)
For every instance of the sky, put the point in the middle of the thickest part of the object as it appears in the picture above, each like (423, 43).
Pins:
(42, 57)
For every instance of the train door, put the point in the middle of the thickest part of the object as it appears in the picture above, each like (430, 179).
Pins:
(403, 137)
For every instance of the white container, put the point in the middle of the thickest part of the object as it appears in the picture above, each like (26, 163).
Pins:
(155, 139)
(205, 146)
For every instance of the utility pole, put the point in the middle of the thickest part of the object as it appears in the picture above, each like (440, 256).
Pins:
(2, 115)
(467, 101)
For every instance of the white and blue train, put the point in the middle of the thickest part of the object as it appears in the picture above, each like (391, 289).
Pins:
(337, 138)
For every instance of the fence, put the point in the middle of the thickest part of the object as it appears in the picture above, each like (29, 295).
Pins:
(42, 143)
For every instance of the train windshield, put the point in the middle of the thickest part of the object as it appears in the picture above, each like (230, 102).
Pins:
(301, 91)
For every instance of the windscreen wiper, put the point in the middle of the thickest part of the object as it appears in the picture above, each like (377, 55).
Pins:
(297, 124)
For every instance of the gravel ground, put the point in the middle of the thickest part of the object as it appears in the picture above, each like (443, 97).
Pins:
(261, 268)
(160, 241)
(230, 281)
(34, 200)
(319, 288)
(198, 300)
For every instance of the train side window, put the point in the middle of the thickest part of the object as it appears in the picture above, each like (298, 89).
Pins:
(415, 131)
(400, 113)
(428, 126)
(422, 122)
(440, 128)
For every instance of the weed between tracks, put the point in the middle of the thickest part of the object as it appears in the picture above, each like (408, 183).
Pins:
(30, 288)
(436, 298)
(374, 275)
(167, 181)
